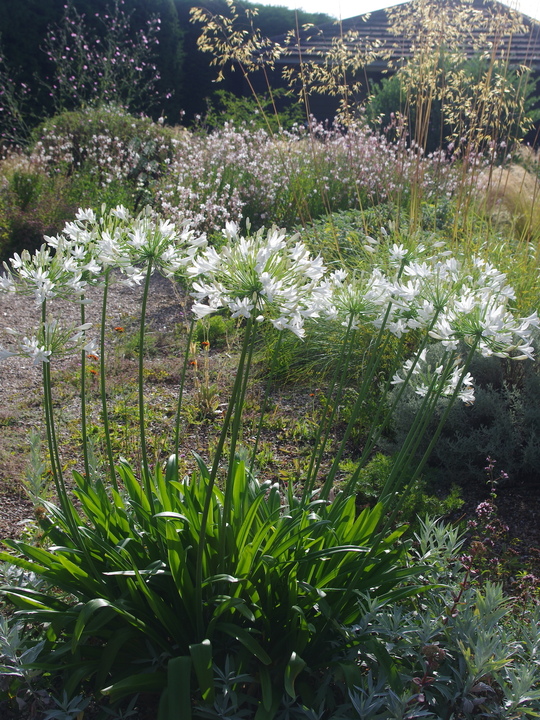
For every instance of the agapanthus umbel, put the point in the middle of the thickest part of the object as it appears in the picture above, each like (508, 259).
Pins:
(479, 315)
(356, 299)
(445, 378)
(45, 275)
(52, 340)
(267, 276)
(120, 240)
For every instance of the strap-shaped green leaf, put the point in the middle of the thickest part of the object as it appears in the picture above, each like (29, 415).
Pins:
(202, 657)
(247, 640)
(91, 607)
(29, 598)
(267, 691)
(133, 486)
(133, 684)
(179, 688)
(203, 469)
(170, 515)
(226, 605)
(239, 489)
(292, 670)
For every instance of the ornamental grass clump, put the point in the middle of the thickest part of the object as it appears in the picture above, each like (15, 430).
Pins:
(454, 103)
(157, 581)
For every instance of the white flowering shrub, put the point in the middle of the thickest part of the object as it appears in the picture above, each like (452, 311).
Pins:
(108, 145)
(222, 176)
(291, 177)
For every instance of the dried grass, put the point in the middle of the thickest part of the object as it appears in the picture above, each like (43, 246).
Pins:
(510, 195)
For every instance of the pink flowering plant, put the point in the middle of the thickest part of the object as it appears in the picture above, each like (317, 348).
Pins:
(115, 66)
(155, 580)
(292, 176)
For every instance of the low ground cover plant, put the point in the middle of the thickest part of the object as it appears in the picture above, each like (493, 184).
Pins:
(153, 578)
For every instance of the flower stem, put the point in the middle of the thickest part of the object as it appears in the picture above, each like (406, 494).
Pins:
(325, 424)
(56, 465)
(181, 393)
(102, 385)
(235, 432)
(84, 431)
(142, 428)
(376, 356)
(264, 404)
(238, 383)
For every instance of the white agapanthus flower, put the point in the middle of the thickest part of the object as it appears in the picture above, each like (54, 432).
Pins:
(45, 275)
(7, 284)
(117, 239)
(357, 299)
(486, 322)
(52, 340)
(6, 353)
(424, 377)
(31, 348)
(148, 238)
(267, 276)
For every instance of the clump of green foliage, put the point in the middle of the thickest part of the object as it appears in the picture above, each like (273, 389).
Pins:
(503, 422)
(274, 112)
(424, 499)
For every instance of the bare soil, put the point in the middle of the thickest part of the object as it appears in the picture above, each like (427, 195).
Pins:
(20, 390)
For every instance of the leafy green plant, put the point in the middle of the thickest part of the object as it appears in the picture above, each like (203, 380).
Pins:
(145, 599)
(278, 111)
(216, 330)
(458, 649)
(424, 499)
(152, 578)
(33, 205)
(67, 709)
(25, 187)
(21, 685)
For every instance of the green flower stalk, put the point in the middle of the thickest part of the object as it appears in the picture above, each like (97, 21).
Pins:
(181, 393)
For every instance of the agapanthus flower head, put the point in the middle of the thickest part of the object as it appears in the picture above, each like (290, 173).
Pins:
(359, 298)
(444, 377)
(116, 239)
(268, 275)
(489, 325)
(46, 274)
(150, 239)
(51, 340)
